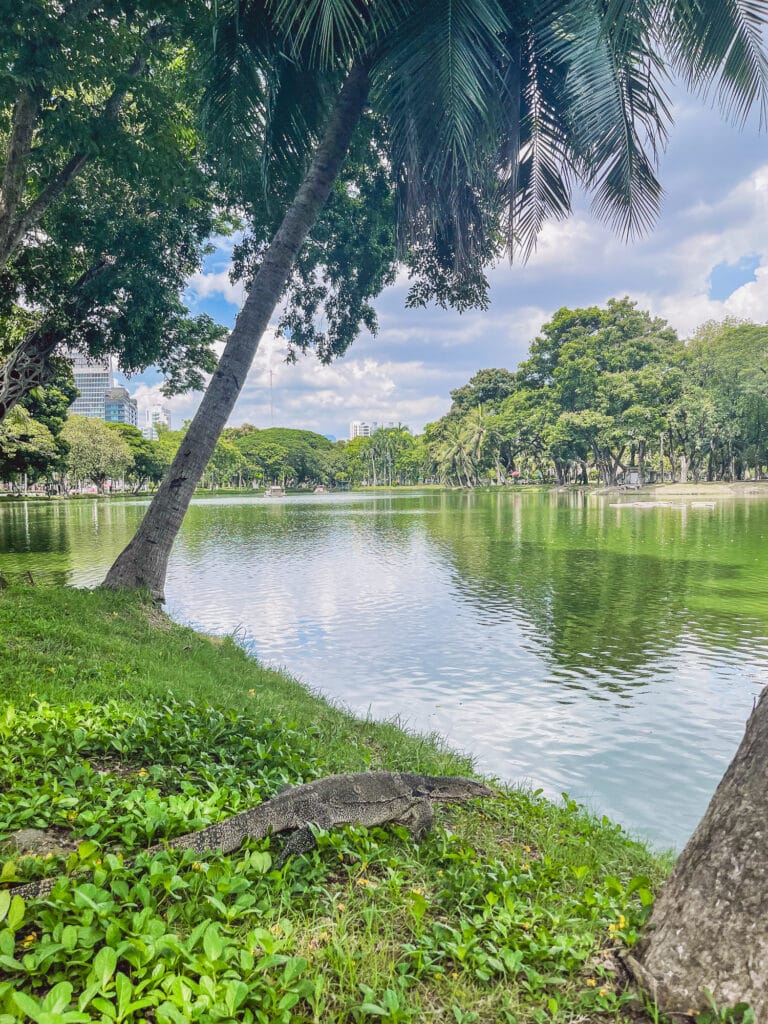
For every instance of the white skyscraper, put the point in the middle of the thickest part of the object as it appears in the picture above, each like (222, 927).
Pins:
(93, 378)
(360, 428)
(156, 416)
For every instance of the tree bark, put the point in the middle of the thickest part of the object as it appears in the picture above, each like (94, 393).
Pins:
(144, 562)
(709, 926)
(29, 364)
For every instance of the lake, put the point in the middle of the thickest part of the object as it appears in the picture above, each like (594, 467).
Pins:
(610, 653)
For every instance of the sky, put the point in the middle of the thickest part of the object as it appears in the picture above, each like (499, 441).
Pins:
(706, 258)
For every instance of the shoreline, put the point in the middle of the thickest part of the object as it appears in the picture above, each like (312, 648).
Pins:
(84, 666)
(735, 488)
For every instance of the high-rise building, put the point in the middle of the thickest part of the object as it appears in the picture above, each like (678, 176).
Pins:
(119, 407)
(93, 378)
(360, 428)
(156, 416)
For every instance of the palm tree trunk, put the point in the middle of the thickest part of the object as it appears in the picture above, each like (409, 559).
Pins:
(143, 563)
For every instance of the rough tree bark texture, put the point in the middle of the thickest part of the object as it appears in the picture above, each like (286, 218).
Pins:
(709, 926)
(29, 364)
(26, 368)
(143, 563)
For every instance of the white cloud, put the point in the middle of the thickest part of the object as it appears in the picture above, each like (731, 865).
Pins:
(205, 285)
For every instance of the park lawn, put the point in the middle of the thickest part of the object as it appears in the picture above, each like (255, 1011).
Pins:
(123, 727)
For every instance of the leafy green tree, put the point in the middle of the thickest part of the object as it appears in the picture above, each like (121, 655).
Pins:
(96, 453)
(224, 465)
(28, 449)
(488, 388)
(414, 463)
(106, 200)
(486, 113)
(147, 466)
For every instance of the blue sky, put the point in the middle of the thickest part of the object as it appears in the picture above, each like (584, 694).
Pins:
(707, 258)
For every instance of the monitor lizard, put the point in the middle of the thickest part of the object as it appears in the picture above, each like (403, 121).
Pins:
(356, 798)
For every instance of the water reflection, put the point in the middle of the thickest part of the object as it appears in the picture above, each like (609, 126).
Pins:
(613, 653)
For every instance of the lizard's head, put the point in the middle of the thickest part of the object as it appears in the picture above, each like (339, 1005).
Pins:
(450, 788)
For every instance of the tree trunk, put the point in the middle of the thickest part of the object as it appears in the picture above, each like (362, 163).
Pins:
(27, 367)
(143, 563)
(709, 926)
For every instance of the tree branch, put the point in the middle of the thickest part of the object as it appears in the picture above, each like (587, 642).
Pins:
(14, 227)
(28, 366)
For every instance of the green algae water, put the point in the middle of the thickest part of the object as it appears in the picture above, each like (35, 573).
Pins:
(610, 653)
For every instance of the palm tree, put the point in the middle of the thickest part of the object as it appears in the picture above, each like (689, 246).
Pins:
(492, 110)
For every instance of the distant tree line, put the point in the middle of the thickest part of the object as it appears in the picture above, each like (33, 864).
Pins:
(605, 395)
(609, 395)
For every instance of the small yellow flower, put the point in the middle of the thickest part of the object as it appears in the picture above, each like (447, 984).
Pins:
(142, 772)
(525, 867)
(72, 815)
(440, 874)
(527, 849)
(417, 892)
(622, 921)
(276, 928)
(341, 907)
(251, 693)
(52, 670)
(611, 927)
(197, 866)
(32, 937)
(98, 862)
(454, 975)
(48, 856)
(603, 992)
(591, 983)
(363, 882)
(341, 856)
(439, 976)
(525, 926)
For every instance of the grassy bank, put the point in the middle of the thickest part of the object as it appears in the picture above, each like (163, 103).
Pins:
(120, 727)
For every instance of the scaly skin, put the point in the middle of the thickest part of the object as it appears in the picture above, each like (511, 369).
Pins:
(361, 798)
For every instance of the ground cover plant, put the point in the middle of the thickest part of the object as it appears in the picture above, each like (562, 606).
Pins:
(510, 910)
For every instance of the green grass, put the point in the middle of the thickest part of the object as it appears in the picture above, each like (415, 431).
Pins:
(123, 728)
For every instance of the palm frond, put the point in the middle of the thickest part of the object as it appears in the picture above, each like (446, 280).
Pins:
(298, 100)
(331, 31)
(615, 105)
(720, 46)
(234, 101)
(439, 86)
(538, 187)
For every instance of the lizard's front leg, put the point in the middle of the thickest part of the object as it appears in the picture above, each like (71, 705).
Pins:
(303, 839)
(418, 819)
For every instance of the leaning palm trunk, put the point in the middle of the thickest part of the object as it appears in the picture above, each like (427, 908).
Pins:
(143, 563)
